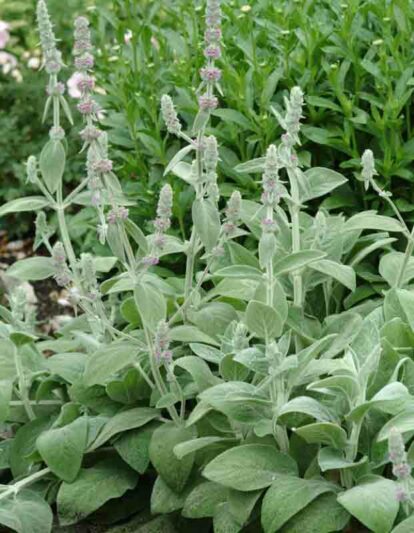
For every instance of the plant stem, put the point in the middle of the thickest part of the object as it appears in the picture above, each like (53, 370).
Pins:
(269, 266)
(13, 489)
(189, 267)
(23, 390)
(407, 255)
(156, 374)
(295, 211)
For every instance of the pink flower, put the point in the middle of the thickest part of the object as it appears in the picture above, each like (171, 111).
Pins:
(73, 84)
(127, 36)
(7, 62)
(4, 33)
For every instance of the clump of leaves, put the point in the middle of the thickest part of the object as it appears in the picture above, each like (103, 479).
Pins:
(260, 390)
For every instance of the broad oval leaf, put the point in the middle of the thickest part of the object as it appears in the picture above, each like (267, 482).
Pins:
(52, 164)
(108, 360)
(175, 472)
(29, 203)
(93, 487)
(206, 220)
(373, 503)
(151, 305)
(320, 181)
(32, 269)
(286, 497)
(370, 220)
(296, 260)
(26, 512)
(62, 448)
(124, 421)
(249, 467)
(263, 321)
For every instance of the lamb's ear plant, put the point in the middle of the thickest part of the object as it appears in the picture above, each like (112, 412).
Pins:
(257, 389)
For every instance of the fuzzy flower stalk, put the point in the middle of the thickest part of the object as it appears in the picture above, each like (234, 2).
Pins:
(162, 224)
(401, 469)
(270, 199)
(52, 63)
(210, 74)
(100, 179)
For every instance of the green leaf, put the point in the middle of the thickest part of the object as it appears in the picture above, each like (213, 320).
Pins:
(249, 467)
(6, 388)
(29, 203)
(373, 503)
(108, 360)
(199, 370)
(26, 512)
(183, 449)
(239, 272)
(187, 334)
(390, 266)
(7, 360)
(324, 103)
(208, 353)
(390, 399)
(178, 157)
(286, 497)
(342, 273)
(323, 433)
(224, 521)
(32, 269)
(369, 220)
(124, 421)
(150, 304)
(296, 260)
(331, 459)
(104, 264)
(323, 515)
(175, 472)
(203, 500)
(62, 448)
(238, 400)
(253, 166)
(24, 445)
(406, 299)
(263, 321)
(52, 164)
(308, 406)
(267, 248)
(69, 366)
(206, 219)
(164, 500)
(241, 504)
(231, 115)
(93, 487)
(133, 447)
(320, 181)
(402, 422)
(406, 526)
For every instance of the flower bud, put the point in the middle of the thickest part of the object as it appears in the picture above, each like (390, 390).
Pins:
(162, 351)
(233, 208)
(207, 102)
(31, 169)
(169, 115)
(211, 155)
(56, 133)
(368, 167)
(51, 56)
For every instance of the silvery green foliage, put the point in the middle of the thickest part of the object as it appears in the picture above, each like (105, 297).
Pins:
(260, 385)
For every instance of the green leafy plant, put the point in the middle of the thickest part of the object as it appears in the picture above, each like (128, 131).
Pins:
(353, 60)
(258, 391)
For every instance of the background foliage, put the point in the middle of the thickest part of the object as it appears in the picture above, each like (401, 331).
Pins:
(354, 61)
